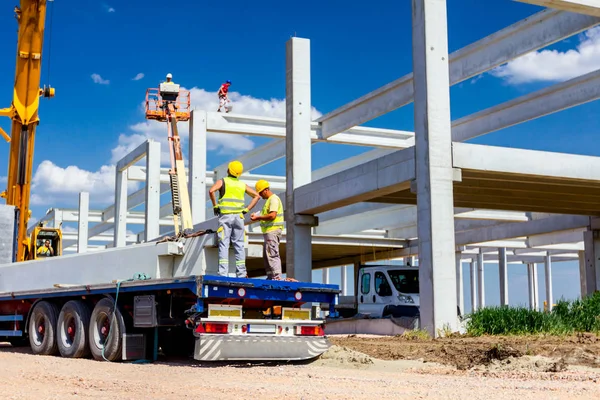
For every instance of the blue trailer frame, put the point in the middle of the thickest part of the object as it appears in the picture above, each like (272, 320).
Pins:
(204, 287)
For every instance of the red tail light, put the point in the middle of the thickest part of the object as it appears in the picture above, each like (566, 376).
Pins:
(310, 331)
(210, 327)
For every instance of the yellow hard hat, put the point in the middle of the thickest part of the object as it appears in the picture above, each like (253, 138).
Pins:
(261, 185)
(236, 168)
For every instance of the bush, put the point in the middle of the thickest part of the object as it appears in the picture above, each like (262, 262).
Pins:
(581, 315)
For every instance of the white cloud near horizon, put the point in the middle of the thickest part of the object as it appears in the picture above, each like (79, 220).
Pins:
(553, 65)
(138, 76)
(53, 185)
(99, 80)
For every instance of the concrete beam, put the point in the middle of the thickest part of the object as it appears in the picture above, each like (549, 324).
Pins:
(535, 163)
(373, 179)
(520, 229)
(588, 7)
(529, 34)
(546, 101)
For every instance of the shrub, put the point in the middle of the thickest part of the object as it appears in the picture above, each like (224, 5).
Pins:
(581, 315)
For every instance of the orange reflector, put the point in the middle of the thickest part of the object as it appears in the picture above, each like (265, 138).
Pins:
(215, 328)
(309, 331)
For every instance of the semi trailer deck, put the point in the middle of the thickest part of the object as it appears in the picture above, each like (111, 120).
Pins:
(218, 318)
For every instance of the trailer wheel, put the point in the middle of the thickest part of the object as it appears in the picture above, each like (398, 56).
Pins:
(106, 331)
(72, 328)
(42, 329)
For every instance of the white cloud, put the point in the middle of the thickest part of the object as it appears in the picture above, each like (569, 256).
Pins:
(138, 76)
(553, 65)
(98, 79)
(3, 179)
(55, 185)
(52, 184)
(110, 9)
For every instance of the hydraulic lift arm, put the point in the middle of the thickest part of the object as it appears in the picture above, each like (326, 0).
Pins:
(24, 112)
(170, 104)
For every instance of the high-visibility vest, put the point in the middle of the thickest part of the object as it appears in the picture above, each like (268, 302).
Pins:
(277, 223)
(232, 201)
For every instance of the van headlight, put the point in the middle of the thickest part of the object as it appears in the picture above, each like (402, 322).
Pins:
(406, 299)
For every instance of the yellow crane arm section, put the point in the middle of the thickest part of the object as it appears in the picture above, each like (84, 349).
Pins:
(23, 111)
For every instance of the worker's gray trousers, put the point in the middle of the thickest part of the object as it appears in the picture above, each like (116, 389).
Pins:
(231, 231)
(271, 257)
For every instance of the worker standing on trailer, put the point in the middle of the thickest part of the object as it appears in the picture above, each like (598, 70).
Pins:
(271, 224)
(223, 96)
(230, 210)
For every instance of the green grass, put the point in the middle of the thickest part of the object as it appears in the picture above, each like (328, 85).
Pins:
(567, 317)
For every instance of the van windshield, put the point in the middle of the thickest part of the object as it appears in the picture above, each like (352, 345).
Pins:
(405, 281)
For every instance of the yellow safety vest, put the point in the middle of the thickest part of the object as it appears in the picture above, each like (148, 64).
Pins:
(232, 201)
(277, 223)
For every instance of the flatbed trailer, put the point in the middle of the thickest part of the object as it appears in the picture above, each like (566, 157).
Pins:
(212, 317)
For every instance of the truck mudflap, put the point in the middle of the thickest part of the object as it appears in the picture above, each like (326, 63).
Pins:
(210, 347)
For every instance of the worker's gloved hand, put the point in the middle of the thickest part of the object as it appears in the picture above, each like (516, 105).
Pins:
(245, 211)
(217, 211)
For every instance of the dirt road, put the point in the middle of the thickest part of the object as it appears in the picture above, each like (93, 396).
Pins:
(340, 374)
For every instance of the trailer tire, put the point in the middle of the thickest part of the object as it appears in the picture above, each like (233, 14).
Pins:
(42, 329)
(72, 328)
(103, 326)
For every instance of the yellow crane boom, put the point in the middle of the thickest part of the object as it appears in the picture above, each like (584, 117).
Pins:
(23, 111)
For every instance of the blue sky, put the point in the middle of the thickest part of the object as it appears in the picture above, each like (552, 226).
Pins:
(355, 48)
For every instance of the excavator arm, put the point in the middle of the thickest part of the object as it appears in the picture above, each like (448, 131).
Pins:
(24, 113)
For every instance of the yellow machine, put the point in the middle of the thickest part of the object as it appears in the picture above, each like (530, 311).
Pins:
(24, 115)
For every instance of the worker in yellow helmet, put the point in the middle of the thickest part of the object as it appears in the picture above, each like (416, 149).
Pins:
(271, 223)
(231, 211)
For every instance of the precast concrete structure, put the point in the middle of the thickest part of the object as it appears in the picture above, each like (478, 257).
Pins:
(425, 193)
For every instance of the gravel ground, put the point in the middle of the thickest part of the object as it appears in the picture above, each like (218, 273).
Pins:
(340, 374)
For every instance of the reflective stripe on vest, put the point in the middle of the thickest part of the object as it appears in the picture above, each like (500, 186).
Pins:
(232, 201)
(275, 224)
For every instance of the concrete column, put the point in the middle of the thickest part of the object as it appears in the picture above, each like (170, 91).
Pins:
(480, 279)
(460, 299)
(549, 297)
(582, 274)
(120, 226)
(58, 218)
(152, 211)
(473, 270)
(433, 157)
(325, 273)
(298, 157)
(503, 271)
(197, 166)
(591, 240)
(355, 282)
(82, 223)
(533, 286)
(344, 279)
(536, 288)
